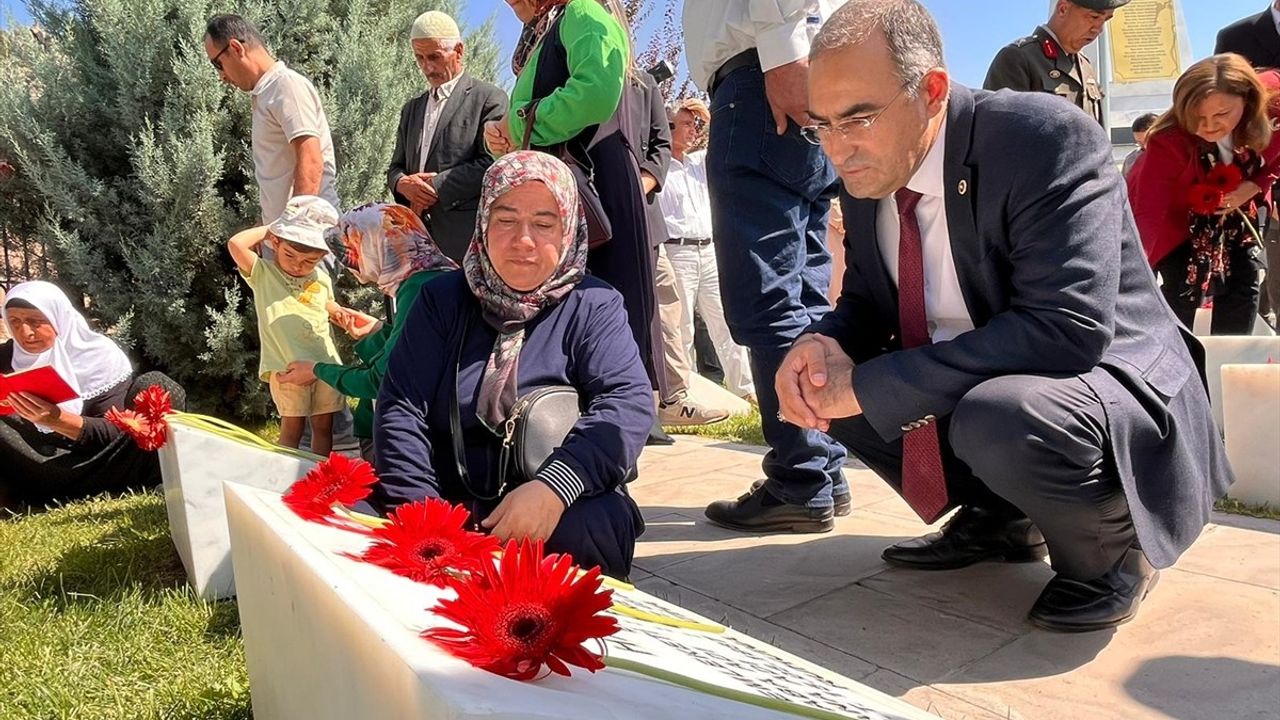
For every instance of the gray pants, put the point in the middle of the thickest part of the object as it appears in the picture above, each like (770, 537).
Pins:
(1026, 445)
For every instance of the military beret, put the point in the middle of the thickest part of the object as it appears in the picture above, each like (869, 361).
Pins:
(1101, 5)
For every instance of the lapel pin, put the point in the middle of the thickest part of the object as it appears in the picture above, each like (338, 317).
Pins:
(1055, 74)
(963, 187)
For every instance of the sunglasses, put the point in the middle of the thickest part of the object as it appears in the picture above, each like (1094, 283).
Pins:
(217, 64)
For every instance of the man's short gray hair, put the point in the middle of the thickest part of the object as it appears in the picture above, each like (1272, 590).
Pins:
(909, 29)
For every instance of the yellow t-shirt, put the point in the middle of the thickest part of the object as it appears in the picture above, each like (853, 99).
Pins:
(292, 321)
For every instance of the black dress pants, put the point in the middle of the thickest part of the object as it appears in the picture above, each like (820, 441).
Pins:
(1025, 444)
(1235, 298)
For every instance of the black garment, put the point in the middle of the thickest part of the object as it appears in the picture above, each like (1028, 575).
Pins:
(1235, 297)
(1023, 444)
(1255, 37)
(37, 467)
(457, 154)
(626, 261)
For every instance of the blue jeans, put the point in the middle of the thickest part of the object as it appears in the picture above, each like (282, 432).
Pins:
(770, 196)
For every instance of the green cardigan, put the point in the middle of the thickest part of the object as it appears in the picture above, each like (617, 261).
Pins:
(362, 381)
(597, 50)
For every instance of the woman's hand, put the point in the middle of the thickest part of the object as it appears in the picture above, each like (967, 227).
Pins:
(497, 137)
(354, 323)
(1240, 196)
(299, 372)
(530, 511)
(42, 412)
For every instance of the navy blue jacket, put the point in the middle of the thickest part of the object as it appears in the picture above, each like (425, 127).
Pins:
(583, 341)
(1054, 277)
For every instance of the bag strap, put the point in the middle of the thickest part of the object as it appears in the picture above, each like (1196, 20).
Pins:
(455, 418)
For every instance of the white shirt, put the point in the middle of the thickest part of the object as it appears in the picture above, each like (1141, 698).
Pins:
(286, 106)
(780, 30)
(684, 200)
(1275, 15)
(436, 100)
(944, 305)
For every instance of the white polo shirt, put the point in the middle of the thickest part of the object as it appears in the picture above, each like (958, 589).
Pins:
(286, 106)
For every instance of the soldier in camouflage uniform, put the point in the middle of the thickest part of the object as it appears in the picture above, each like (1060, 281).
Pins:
(1049, 59)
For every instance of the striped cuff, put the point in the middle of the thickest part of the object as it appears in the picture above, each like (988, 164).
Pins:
(562, 480)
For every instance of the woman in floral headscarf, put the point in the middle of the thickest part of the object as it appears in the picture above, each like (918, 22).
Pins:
(523, 315)
(388, 246)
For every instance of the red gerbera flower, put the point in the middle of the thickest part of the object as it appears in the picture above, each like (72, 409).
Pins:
(154, 403)
(338, 479)
(524, 612)
(1224, 177)
(133, 424)
(425, 540)
(1204, 199)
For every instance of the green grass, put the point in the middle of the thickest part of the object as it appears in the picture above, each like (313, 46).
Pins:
(1236, 507)
(738, 429)
(96, 620)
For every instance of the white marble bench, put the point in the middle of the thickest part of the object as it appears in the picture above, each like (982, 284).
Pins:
(1251, 406)
(194, 463)
(328, 637)
(1222, 350)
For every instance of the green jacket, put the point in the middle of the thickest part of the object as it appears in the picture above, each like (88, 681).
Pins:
(362, 381)
(596, 46)
(1037, 63)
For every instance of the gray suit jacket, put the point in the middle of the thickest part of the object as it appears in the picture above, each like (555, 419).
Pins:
(1054, 277)
(457, 154)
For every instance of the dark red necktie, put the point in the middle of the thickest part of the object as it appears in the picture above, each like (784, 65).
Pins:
(924, 485)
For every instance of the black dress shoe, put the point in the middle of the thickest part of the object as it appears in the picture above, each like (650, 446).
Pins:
(1113, 599)
(971, 536)
(842, 502)
(759, 511)
(658, 436)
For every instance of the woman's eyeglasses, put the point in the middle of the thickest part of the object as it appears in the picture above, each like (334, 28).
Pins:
(816, 133)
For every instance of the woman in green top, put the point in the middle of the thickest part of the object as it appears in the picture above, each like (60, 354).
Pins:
(386, 245)
(573, 56)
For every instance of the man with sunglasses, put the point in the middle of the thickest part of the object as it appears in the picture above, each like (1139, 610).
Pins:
(292, 149)
(999, 345)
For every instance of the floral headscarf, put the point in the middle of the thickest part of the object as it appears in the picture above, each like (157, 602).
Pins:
(382, 243)
(547, 12)
(503, 308)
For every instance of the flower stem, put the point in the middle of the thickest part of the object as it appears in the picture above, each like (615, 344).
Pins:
(723, 692)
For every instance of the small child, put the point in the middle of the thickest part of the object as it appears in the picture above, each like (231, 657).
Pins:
(290, 296)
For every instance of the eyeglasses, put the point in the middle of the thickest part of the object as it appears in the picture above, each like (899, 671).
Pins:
(842, 129)
(217, 64)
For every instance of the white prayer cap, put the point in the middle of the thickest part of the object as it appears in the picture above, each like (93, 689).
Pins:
(434, 25)
(304, 221)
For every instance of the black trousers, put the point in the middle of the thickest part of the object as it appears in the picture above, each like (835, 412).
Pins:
(1235, 298)
(1025, 445)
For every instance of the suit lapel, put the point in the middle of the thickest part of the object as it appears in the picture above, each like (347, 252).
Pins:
(860, 223)
(413, 139)
(456, 99)
(1268, 36)
(958, 179)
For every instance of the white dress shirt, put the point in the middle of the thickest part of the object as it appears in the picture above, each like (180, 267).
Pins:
(944, 304)
(780, 30)
(1275, 15)
(684, 200)
(436, 100)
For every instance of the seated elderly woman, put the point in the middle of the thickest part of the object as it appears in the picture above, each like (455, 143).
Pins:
(66, 451)
(521, 316)
(388, 246)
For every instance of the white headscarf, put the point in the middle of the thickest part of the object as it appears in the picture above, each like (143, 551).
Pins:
(90, 362)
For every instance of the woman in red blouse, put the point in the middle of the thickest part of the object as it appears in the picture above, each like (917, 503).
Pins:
(1210, 163)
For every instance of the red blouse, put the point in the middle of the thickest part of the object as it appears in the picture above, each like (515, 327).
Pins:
(1162, 178)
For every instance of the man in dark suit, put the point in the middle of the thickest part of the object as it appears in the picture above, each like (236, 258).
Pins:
(440, 158)
(999, 344)
(1255, 37)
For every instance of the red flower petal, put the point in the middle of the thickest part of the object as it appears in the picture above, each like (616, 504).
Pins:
(427, 542)
(526, 612)
(1225, 177)
(336, 480)
(1204, 199)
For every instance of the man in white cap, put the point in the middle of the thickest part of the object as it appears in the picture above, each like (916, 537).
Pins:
(440, 157)
(290, 296)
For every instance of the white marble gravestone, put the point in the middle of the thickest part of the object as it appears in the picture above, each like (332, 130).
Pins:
(1204, 320)
(331, 638)
(1251, 409)
(1222, 350)
(194, 463)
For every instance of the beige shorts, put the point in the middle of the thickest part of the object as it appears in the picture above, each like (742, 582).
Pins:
(318, 398)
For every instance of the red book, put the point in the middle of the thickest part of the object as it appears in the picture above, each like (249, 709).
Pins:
(44, 382)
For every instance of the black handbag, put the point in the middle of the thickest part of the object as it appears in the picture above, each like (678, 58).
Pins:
(539, 422)
(599, 229)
